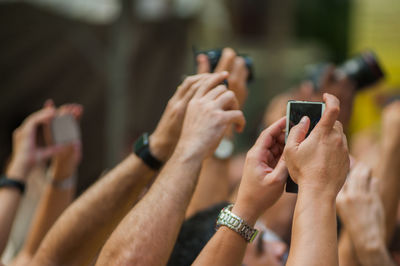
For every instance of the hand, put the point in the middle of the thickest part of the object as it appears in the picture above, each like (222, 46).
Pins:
(391, 125)
(321, 161)
(361, 210)
(67, 159)
(264, 174)
(212, 109)
(26, 153)
(166, 135)
(237, 68)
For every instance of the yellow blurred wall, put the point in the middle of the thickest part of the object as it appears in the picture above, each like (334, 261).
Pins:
(375, 25)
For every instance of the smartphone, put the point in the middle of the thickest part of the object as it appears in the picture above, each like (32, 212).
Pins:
(295, 110)
(64, 129)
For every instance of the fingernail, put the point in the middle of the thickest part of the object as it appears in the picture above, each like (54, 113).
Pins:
(304, 119)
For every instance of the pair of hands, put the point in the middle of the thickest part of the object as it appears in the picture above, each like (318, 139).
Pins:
(318, 164)
(197, 112)
(26, 152)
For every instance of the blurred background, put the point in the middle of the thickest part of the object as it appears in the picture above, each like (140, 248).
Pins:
(123, 59)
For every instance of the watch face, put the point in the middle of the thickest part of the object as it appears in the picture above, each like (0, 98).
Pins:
(224, 150)
(142, 142)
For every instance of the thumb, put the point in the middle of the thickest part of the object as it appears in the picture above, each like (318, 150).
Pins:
(298, 133)
(203, 65)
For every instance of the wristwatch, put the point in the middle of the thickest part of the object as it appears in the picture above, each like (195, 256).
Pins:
(142, 150)
(8, 182)
(235, 223)
(224, 150)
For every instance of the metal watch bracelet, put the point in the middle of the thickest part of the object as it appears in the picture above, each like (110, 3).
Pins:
(235, 223)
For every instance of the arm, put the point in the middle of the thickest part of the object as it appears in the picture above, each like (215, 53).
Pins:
(319, 165)
(91, 219)
(147, 234)
(25, 155)
(388, 170)
(362, 213)
(58, 192)
(213, 185)
(261, 186)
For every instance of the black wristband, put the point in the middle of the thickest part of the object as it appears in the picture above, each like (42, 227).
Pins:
(7, 182)
(142, 149)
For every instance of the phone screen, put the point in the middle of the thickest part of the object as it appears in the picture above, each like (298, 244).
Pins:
(64, 129)
(296, 110)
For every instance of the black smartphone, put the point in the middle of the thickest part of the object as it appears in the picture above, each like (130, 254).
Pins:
(295, 110)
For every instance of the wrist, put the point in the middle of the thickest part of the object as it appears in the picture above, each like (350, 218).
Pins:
(17, 171)
(246, 212)
(160, 147)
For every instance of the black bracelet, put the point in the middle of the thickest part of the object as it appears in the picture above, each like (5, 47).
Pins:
(8, 182)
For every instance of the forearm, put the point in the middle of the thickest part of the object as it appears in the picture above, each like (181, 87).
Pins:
(9, 201)
(88, 222)
(226, 247)
(147, 234)
(52, 203)
(389, 172)
(314, 235)
(213, 185)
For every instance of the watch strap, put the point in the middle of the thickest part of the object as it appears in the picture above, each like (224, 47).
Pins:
(235, 223)
(12, 183)
(142, 150)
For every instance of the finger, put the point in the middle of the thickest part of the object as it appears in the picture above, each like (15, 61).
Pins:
(266, 138)
(227, 101)
(214, 93)
(330, 114)
(235, 117)
(212, 81)
(281, 172)
(239, 72)
(187, 83)
(226, 61)
(298, 133)
(203, 65)
(40, 117)
(46, 153)
(49, 103)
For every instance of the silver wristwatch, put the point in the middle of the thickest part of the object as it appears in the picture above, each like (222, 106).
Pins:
(237, 224)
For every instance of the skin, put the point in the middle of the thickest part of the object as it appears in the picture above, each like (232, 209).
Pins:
(387, 172)
(161, 212)
(213, 184)
(54, 199)
(262, 184)
(92, 218)
(319, 165)
(26, 154)
(362, 213)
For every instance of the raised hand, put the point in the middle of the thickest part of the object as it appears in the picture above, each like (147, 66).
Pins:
(321, 161)
(212, 109)
(264, 174)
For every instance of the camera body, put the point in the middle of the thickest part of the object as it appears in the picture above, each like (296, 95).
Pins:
(215, 54)
(364, 70)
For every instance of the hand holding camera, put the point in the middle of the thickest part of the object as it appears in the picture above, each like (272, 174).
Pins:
(212, 109)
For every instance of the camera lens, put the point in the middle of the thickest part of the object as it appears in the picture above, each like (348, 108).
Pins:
(364, 69)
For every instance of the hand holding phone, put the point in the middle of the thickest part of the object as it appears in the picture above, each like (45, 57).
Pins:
(294, 112)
